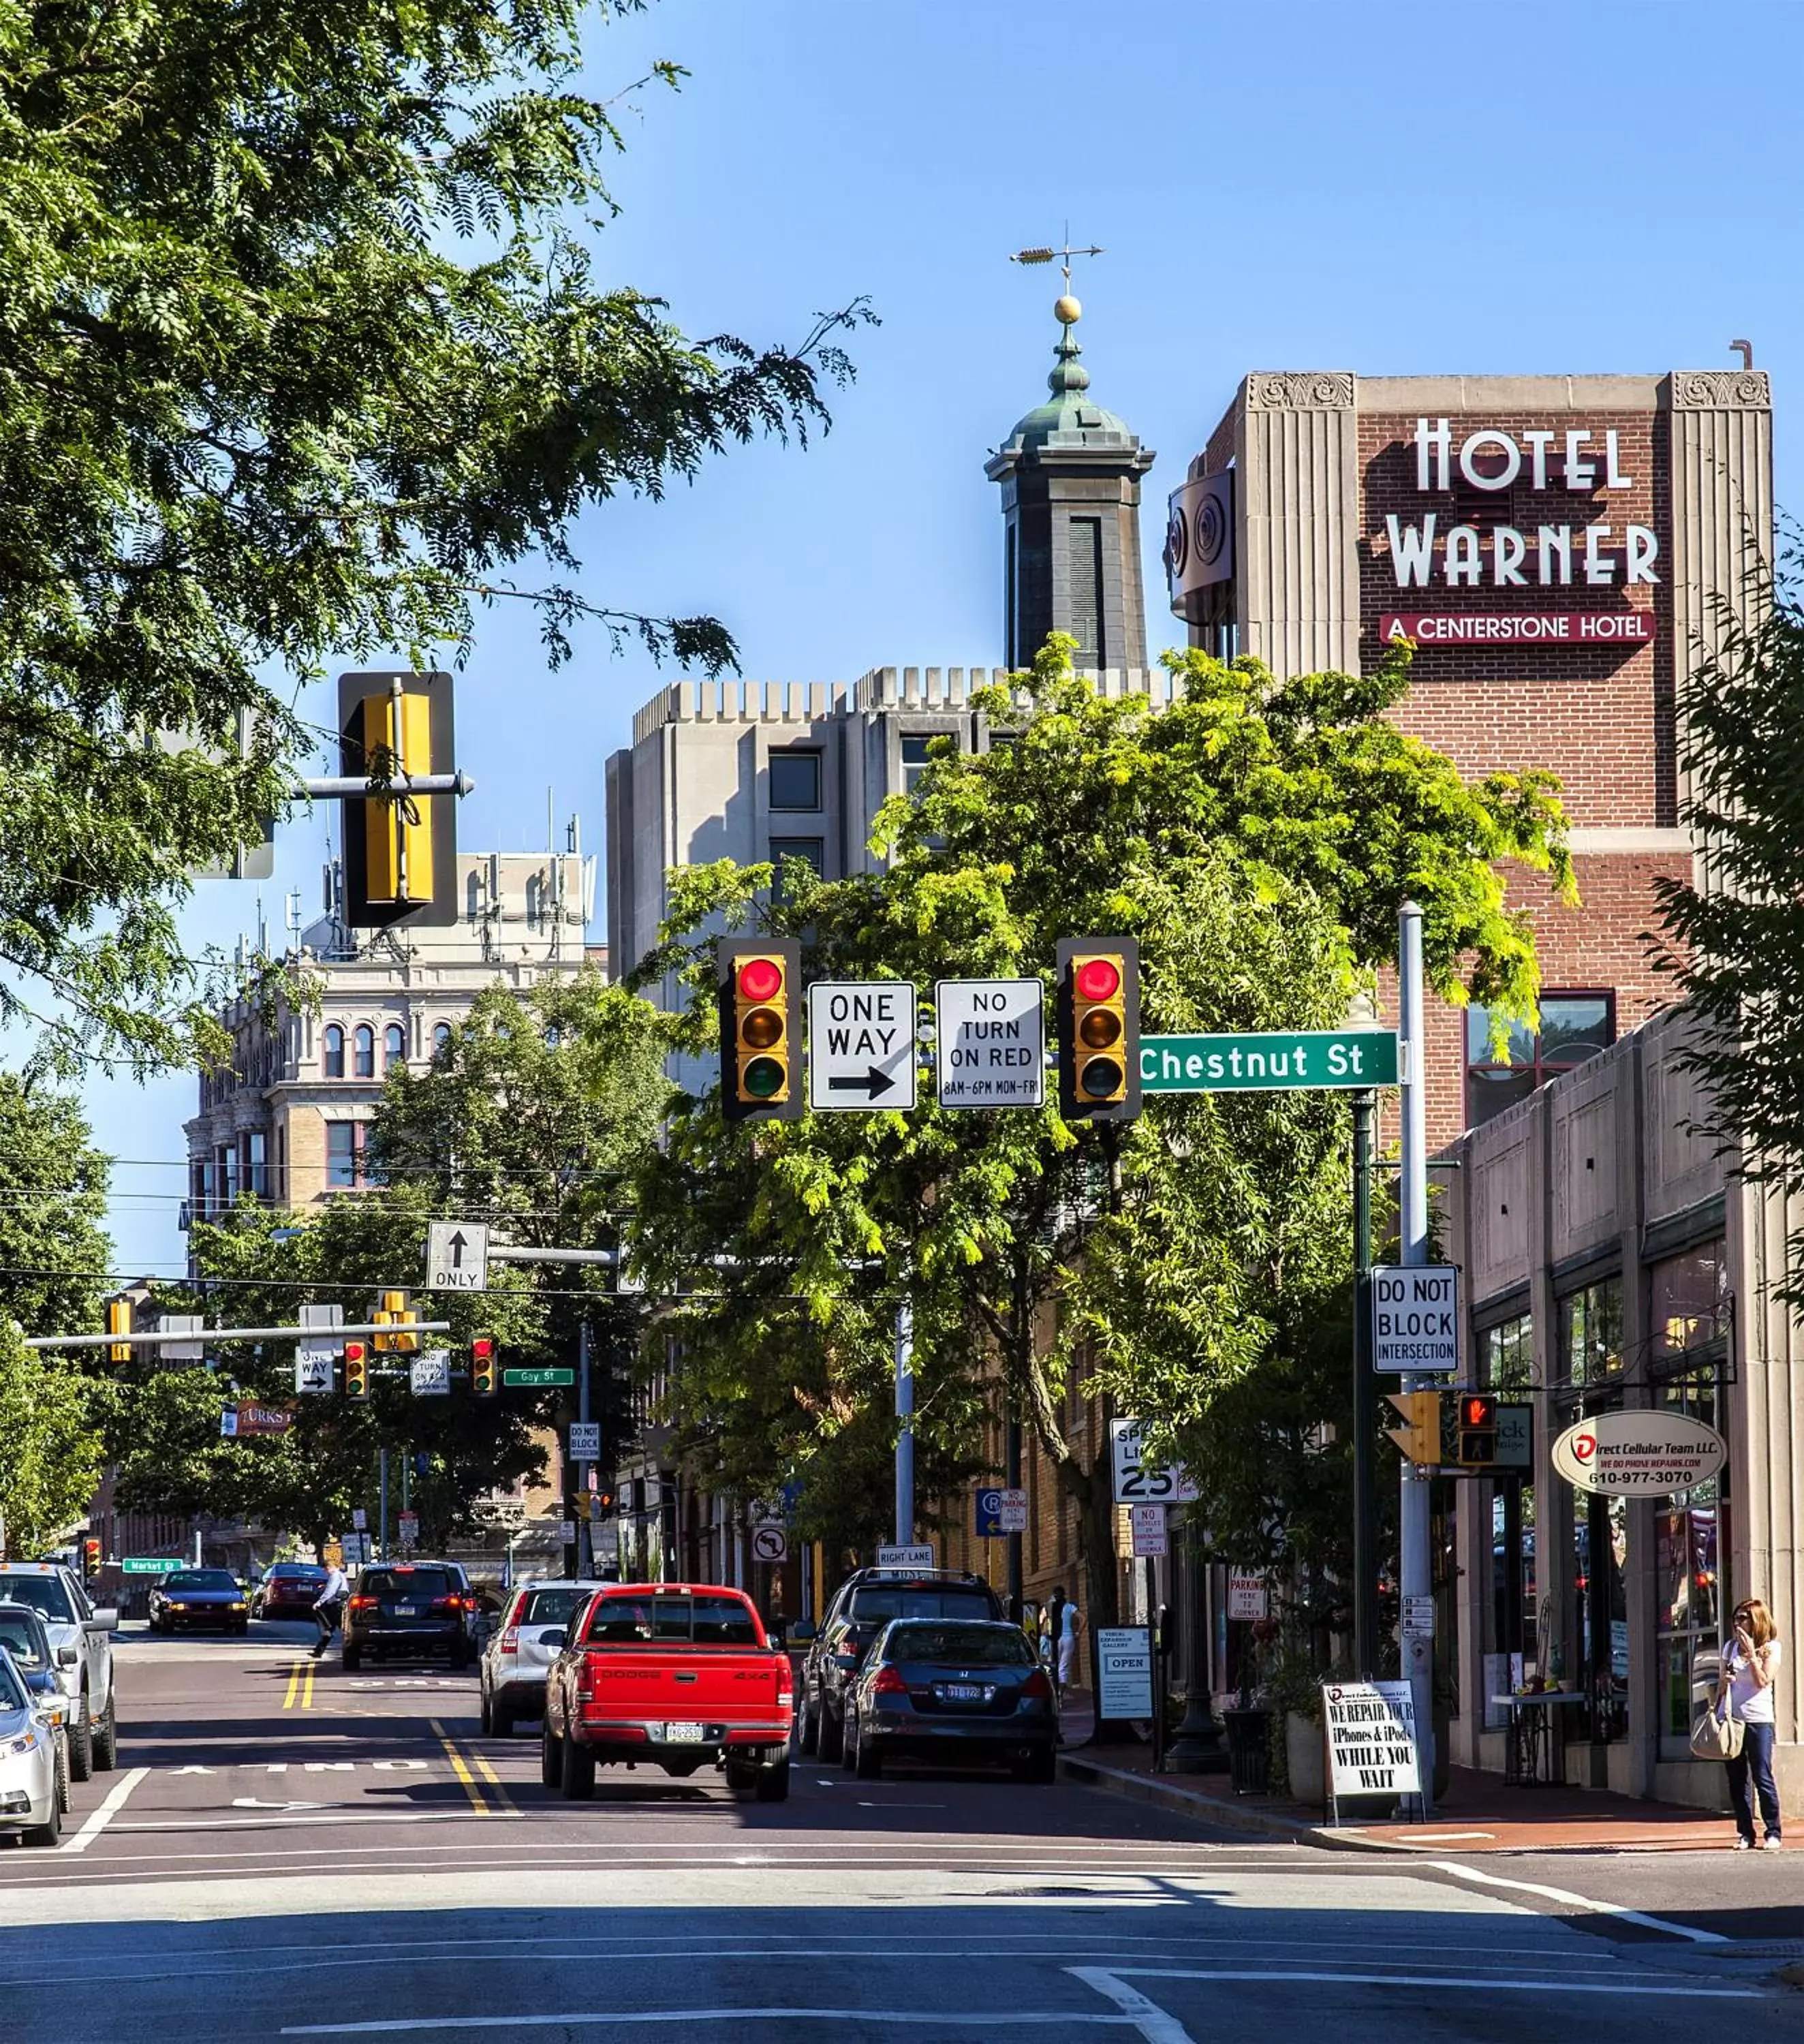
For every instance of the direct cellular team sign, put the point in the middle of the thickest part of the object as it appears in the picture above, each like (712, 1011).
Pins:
(1371, 1728)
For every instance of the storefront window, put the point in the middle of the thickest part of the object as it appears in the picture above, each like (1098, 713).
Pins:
(1600, 1555)
(1690, 1542)
(1591, 1334)
(1574, 1026)
(1506, 1355)
(1688, 1295)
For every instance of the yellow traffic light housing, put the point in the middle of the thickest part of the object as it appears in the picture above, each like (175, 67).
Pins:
(120, 1316)
(758, 992)
(396, 1313)
(1099, 1029)
(484, 1378)
(1419, 1436)
(400, 849)
(356, 1370)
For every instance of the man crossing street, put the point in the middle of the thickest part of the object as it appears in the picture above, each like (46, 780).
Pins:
(328, 1607)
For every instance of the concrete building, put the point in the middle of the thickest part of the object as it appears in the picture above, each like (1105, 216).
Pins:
(288, 1120)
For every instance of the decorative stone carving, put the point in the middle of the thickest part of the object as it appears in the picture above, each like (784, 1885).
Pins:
(1302, 390)
(1721, 390)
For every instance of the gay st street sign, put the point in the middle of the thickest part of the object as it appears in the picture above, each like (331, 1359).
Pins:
(1276, 1061)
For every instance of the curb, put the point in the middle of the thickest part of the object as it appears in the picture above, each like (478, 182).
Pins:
(1235, 1816)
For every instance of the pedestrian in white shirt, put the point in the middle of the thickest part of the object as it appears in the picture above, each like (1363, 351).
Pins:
(328, 1607)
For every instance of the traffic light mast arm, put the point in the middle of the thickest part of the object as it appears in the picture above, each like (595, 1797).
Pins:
(155, 1339)
(331, 787)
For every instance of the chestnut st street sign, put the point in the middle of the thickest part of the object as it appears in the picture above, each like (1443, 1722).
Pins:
(1275, 1061)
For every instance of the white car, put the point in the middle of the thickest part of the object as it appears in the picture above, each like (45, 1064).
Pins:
(82, 1638)
(29, 1801)
(523, 1645)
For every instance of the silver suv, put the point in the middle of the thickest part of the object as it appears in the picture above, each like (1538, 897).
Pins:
(81, 1640)
(523, 1645)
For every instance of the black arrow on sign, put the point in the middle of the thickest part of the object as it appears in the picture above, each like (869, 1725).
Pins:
(873, 1083)
(457, 1251)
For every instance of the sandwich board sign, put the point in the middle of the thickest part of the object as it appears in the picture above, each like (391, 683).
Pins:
(1372, 1744)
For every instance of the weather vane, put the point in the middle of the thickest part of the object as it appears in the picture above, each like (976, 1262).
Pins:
(1067, 310)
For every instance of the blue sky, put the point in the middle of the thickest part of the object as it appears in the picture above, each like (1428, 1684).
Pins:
(1386, 189)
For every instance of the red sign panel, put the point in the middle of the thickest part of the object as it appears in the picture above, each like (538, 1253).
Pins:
(264, 1419)
(1519, 628)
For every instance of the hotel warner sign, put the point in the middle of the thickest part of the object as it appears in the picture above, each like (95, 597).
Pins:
(1596, 554)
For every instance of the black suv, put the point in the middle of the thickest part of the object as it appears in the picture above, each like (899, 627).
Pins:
(863, 1604)
(409, 1610)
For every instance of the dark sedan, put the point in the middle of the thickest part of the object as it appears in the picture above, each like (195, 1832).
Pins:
(954, 1690)
(288, 1589)
(196, 1597)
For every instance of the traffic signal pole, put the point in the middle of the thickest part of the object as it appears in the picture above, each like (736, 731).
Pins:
(581, 1550)
(1365, 1476)
(904, 1423)
(1416, 1569)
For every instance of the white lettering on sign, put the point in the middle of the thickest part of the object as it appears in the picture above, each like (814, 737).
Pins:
(1416, 1320)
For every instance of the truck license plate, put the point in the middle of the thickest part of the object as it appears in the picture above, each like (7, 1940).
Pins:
(684, 1732)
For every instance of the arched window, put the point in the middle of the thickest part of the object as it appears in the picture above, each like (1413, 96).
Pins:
(441, 1037)
(365, 1052)
(335, 1051)
(394, 1045)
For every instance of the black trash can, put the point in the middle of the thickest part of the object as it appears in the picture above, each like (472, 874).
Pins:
(1249, 1751)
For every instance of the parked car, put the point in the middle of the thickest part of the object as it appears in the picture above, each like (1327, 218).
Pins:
(30, 1798)
(55, 1593)
(520, 1648)
(864, 1603)
(288, 1590)
(197, 1598)
(678, 1676)
(411, 1610)
(955, 1690)
(23, 1636)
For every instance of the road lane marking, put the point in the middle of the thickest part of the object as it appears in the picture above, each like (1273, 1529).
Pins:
(1513, 1984)
(1485, 1879)
(982, 2019)
(293, 1684)
(472, 1787)
(307, 1700)
(1156, 2025)
(508, 1806)
(98, 1820)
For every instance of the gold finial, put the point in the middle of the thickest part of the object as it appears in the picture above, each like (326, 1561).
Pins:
(1067, 311)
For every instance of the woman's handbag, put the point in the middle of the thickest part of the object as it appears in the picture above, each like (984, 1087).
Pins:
(1718, 1736)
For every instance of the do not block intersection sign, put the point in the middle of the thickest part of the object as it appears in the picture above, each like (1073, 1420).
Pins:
(1415, 1318)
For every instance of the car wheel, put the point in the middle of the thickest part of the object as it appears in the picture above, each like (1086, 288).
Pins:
(551, 1760)
(807, 1730)
(832, 1734)
(487, 1716)
(1041, 1766)
(48, 1832)
(63, 1776)
(460, 1655)
(81, 1741)
(106, 1738)
(740, 1776)
(849, 1742)
(500, 1721)
(867, 1762)
(576, 1776)
(240, 1626)
(353, 1659)
(774, 1784)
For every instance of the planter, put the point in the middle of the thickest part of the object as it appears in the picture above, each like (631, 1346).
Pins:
(1249, 1753)
(1303, 1760)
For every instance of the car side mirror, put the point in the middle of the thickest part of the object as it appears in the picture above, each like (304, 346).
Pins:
(802, 1631)
(105, 1619)
(67, 1657)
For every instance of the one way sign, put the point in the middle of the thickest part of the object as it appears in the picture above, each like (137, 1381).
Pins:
(457, 1256)
(861, 1044)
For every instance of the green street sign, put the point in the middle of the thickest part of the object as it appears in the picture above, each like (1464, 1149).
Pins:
(536, 1379)
(150, 1565)
(1276, 1061)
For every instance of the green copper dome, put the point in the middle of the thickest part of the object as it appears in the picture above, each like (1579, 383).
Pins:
(1068, 420)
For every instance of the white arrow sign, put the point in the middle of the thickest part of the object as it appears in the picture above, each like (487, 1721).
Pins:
(991, 1043)
(861, 1044)
(313, 1367)
(457, 1256)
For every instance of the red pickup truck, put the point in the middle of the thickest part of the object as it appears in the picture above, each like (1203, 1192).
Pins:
(671, 1675)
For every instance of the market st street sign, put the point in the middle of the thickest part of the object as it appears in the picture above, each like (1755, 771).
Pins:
(1269, 1061)
(1639, 1454)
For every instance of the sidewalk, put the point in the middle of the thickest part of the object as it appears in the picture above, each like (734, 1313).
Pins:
(1479, 1813)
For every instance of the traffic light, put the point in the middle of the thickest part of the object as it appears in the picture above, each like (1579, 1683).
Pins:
(1099, 1029)
(1419, 1436)
(356, 1370)
(485, 1380)
(606, 1497)
(758, 983)
(399, 850)
(1478, 1427)
(396, 1311)
(120, 1316)
(90, 1557)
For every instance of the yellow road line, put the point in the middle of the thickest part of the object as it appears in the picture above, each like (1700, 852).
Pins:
(509, 1808)
(307, 1698)
(293, 1685)
(461, 1769)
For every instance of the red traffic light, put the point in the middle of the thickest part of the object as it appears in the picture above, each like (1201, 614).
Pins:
(761, 979)
(482, 1348)
(1098, 979)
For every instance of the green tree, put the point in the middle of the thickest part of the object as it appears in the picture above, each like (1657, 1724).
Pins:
(51, 1450)
(303, 355)
(53, 1247)
(1258, 837)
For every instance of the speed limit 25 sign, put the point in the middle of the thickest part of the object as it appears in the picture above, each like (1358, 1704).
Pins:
(1134, 1482)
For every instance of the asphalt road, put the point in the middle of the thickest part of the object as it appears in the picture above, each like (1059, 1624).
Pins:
(289, 1851)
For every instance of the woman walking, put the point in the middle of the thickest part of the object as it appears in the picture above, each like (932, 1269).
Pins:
(1748, 1672)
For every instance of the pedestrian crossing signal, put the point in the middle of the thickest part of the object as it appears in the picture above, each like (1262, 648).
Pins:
(1478, 1427)
(120, 1316)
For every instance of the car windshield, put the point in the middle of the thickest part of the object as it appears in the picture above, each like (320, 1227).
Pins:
(970, 1646)
(13, 1695)
(21, 1639)
(876, 1603)
(299, 1572)
(200, 1579)
(44, 1593)
(552, 1607)
(404, 1585)
(672, 1621)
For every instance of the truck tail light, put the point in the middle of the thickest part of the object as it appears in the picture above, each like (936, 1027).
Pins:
(785, 1680)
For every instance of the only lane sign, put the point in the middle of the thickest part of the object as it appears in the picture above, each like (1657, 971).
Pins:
(457, 1256)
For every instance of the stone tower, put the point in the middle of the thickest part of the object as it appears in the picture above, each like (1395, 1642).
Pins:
(1070, 475)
